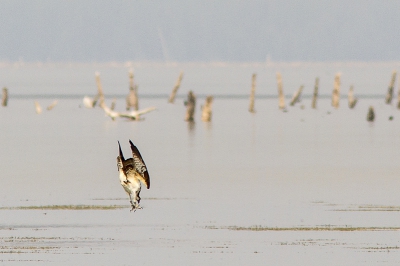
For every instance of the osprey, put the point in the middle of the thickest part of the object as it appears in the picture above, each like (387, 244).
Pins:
(133, 172)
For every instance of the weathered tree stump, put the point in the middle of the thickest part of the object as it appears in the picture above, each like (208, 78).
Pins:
(4, 99)
(371, 114)
(280, 91)
(389, 94)
(315, 94)
(132, 98)
(336, 92)
(38, 108)
(190, 106)
(296, 96)
(252, 93)
(99, 89)
(52, 105)
(207, 109)
(350, 96)
(398, 98)
(114, 103)
(176, 87)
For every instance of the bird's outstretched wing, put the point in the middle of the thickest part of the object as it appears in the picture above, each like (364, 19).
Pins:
(135, 115)
(140, 166)
(111, 113)
(120, 152)
(120, 158)
(146, 110)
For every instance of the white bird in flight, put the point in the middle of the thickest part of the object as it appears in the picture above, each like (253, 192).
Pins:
(133, 172)
(133, 115)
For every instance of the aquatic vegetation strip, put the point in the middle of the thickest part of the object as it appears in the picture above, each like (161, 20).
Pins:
(67, 207)
(361, 208)
(305, 228)
(371, 208)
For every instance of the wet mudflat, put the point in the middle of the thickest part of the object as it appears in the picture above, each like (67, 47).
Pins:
(303, 187)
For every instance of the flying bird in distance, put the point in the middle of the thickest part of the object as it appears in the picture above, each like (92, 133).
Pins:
(133, 115)
(133, 172)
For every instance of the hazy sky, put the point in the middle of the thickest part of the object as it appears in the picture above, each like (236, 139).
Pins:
(206, 30)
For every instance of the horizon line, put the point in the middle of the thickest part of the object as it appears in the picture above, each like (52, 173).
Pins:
(132, 63)
(184, 96)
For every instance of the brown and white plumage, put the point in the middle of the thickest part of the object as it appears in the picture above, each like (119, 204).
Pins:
(133, 172)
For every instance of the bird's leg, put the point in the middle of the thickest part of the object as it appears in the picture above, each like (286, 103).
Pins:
(136, 207)
(135, 202)
(138, 199)
(133, 205)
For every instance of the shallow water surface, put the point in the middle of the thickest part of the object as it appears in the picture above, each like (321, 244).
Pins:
(302, 187)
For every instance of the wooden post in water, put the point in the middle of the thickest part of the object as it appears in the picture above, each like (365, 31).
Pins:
(389, 94)
(252, 93)
(350, 96)
(336, 91)
(315, 94)
(95, 100)
(113, 104)
(206, 110)
(52, 105)
(280, 91)
(99, 89)
(176, 87)
(132, 98)
(398, 97)
(190, 106)
(371, 114)
(296, 96)
(4, 99)
(38, 108)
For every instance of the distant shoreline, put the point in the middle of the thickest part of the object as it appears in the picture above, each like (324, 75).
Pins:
(133, 64)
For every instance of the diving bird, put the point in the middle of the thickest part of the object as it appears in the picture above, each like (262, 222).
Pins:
(133, 172)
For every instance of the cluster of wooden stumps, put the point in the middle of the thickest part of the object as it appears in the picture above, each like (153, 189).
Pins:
(132, 101)
(352, 100)
(297, 95)
(38, 108)
(190, 103)
(388, 98)
(206, 109)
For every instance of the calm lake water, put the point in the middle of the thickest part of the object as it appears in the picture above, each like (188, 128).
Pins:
(301, 177)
